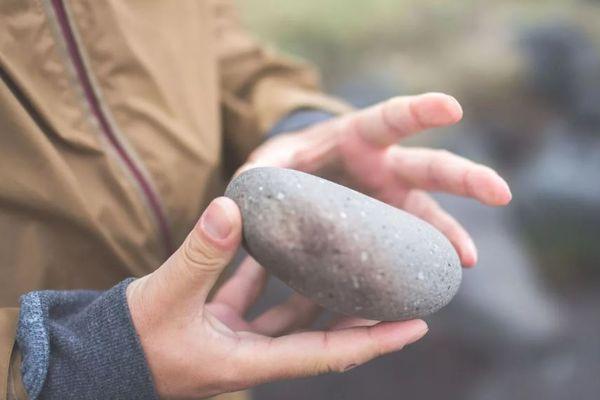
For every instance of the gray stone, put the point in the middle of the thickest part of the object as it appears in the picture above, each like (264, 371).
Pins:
(348, 252)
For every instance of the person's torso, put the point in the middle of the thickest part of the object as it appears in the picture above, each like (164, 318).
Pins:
(109, 138)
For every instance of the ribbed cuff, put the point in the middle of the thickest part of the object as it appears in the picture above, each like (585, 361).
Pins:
(82, 345)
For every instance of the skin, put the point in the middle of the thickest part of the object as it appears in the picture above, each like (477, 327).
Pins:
(197, 348)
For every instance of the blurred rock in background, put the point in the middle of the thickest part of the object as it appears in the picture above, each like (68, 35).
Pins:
(525, 324)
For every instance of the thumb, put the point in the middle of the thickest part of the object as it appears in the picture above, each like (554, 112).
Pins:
(191, 272)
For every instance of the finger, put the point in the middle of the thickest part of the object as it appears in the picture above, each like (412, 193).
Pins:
(187, 277)
(351, 322)
(440, 170)
(244, 287)
(313, 353)
(295, 313)
(386, 123)
(425, 207)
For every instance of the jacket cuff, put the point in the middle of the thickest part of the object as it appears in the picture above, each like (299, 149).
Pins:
(81, 344)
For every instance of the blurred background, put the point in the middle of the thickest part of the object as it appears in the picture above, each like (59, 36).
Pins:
(526, 323)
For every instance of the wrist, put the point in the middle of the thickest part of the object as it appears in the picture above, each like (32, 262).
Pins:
(312, 148)
(298, 120)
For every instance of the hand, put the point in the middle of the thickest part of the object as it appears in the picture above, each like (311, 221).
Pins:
(360, 150)
(196, 348)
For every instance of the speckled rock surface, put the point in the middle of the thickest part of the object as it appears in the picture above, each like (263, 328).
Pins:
(349, 252)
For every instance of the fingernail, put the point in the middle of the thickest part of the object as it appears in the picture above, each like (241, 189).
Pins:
(215, 222)
(418, 335)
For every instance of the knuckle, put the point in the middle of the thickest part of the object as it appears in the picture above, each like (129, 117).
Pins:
(467, 184)
(386, 115)
(394, 103)
(322, 367)
(352, 124)
(201, 256)
(417, 122)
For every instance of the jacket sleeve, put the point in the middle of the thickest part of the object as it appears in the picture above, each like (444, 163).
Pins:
(259, 86)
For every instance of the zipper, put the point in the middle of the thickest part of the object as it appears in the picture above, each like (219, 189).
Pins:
(124, 154)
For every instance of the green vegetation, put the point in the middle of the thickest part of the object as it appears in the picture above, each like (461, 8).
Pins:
(437, 43)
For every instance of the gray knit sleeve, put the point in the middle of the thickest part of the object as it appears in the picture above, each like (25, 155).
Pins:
(297, 120)
(81, 345)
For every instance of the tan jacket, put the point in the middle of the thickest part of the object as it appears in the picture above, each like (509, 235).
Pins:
(119, 121)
